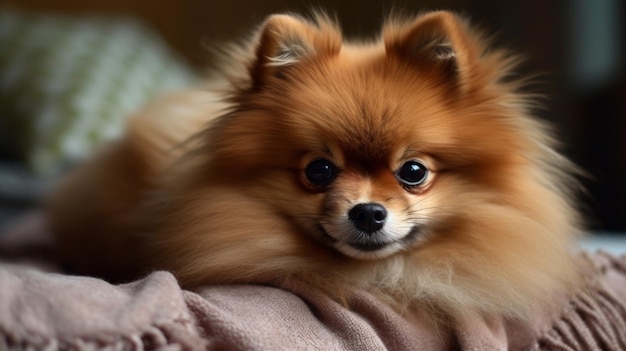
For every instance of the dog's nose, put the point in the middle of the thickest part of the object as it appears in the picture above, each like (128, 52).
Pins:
(368, 217)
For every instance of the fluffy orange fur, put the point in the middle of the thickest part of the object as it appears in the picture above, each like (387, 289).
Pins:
(212, 184)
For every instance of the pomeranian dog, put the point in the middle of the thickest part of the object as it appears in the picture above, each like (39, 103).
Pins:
(410, 166)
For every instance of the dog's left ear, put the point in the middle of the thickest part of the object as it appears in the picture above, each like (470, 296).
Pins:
(285, 40)
(441, 41)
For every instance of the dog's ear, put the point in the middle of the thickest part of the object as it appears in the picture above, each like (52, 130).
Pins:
(439, 40)
(286, 40)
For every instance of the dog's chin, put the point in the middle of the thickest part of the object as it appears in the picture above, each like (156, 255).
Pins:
(369, 252)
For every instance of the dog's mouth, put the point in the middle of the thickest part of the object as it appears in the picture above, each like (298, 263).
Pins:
(368, 246)
(371, 246)
(375, 242)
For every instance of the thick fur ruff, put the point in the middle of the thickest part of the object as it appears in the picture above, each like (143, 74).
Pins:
(212, 184)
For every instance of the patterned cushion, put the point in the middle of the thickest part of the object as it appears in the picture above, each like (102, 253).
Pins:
(67, 83)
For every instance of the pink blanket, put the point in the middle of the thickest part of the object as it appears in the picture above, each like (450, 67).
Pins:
(44, 310)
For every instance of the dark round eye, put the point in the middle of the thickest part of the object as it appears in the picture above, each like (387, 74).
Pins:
(412, 173)
(320, 172)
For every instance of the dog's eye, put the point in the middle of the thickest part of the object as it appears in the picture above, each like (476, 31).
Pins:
(412, 173)
(320, 172)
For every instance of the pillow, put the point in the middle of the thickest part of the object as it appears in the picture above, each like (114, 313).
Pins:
(67, 83)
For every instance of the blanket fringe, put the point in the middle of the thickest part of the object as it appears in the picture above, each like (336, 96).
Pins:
(595, 318)
(154, 338)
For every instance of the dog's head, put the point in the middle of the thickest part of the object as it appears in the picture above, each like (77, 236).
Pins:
(373, 147)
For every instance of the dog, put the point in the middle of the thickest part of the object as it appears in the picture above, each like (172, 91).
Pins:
(411, 166)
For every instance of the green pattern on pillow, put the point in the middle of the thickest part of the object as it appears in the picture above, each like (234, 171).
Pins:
(67, 83)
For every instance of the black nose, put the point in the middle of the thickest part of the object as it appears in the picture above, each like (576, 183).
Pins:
(369, 217)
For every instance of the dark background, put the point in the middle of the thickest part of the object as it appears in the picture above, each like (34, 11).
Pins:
(577, 46)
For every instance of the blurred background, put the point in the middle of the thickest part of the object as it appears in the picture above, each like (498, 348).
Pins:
(71, 69)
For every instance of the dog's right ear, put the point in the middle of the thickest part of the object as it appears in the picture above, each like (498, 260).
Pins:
(286, 40)
(441, 41)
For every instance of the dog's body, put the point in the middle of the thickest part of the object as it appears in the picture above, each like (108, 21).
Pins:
(410, 166)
